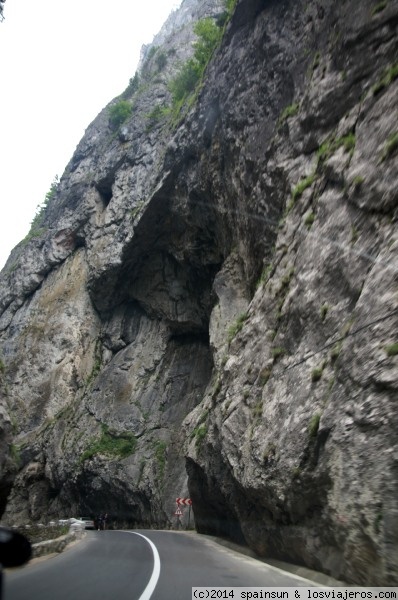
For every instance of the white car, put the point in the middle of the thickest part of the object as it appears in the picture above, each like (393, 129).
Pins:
(88, 523)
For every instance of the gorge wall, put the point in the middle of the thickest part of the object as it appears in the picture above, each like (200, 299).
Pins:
(209, 306)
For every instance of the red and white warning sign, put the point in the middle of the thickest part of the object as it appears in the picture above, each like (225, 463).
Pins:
(183, 501)
(178, 512)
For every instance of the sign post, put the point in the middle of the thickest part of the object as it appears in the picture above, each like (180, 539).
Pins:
(178, 513)
(184, 502)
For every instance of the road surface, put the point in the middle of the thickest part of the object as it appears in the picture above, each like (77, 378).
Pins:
(140, 565)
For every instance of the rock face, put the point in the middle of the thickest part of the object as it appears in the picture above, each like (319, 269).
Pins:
(210, 307)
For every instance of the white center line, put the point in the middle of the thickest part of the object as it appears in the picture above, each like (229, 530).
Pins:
(147, 593)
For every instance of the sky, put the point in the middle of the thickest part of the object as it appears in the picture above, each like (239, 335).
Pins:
(62, 61)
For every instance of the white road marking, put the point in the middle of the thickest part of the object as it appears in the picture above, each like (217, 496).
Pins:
(147, 593)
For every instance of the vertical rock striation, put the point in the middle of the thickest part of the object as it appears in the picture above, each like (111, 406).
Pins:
(213, 303)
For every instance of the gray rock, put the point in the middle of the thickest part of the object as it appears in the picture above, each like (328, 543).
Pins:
(210, 309)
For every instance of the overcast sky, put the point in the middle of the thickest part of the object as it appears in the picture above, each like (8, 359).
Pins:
(62, 61)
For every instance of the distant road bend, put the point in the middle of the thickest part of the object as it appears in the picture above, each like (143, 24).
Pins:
(145, 565)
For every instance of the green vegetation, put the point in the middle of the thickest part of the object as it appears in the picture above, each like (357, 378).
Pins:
(15, 454)
(237, 326)
(358, 181)
(296, 472)
(264, 375)
(309, 219)
(156, 115)
(392, 349)
(277, 352)
(335, 351)
(157, 58)
(264, 275)
(390, 74)
(160, 454)
(2, 366)
(36, 533)
(390, 147)
(286, 279)
(137, 209)
(302, 185)
(132, 87)
(216, 390)
(348, 141)
(289, 111)
(200, 433)
(324, 311)
(184, 85)
(94, 372)
(230, 6)
(331, 145)
(118, 113)
(313, 425)
(316, 373)
(200, 430)
(379, 7)
(161, 60)
(258, 410)
(151, 53)
(37, 224)
(111, 444)
(377, 522)
(316, 61)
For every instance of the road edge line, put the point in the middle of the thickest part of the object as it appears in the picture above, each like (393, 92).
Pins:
(147, 593)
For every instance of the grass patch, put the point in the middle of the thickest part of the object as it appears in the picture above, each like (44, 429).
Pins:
(313, 425)
(199, 433)
(137, 209)
(316, 61)
(15, 454)
(216, 390)
(277, 352)
(160, 455)
(357, 182)
(119, 113)
(264, 275)
(94, 372)
(36, 534)
(324, 311)
(296, 472)
(392, 349)
(302, 185)
(37, 227)
(234, 329)
(316, 374)
(258, 410)
(335, 351)
(187, 81)
(390, 74)
(379, 7)
(330, 146)
(111, 444)
(158, 114)
(289, 111)
(390, 147)
(309, 219)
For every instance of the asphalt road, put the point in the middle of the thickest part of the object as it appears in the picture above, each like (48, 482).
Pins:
(140, 565)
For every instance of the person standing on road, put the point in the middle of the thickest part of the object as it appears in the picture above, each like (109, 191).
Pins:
(99, 523)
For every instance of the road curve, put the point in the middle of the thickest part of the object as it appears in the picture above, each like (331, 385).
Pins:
(140, 565)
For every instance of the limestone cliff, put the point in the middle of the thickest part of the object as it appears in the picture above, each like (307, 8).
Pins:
(210, 303)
